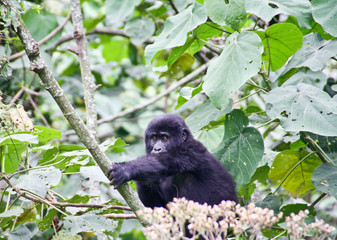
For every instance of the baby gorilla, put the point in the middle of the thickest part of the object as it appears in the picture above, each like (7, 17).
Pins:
(176, 165)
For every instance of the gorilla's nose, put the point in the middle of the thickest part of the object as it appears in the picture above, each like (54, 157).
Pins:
(156, 150)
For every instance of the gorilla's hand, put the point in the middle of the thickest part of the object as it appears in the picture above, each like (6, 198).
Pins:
(118, 174)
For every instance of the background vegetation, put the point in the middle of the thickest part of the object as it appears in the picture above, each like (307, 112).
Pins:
(255, 81)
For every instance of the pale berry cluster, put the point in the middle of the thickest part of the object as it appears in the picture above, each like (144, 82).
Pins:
(298, 228)
(213, 222)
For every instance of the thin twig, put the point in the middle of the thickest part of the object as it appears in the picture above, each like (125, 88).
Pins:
(45, 39)
(119, 216)
(173, 6)
(181, 82)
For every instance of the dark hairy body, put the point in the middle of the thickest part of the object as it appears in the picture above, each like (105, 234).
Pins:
(175, 165)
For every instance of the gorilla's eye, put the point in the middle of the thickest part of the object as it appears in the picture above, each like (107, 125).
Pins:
(153, 138)
(164, 137)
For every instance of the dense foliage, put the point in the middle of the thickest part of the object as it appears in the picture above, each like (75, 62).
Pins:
(254, 79)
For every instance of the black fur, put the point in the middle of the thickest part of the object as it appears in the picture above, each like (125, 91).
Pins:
(179, 167)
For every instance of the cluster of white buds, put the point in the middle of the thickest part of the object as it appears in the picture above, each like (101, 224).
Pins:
(213, 222)
(298, 228)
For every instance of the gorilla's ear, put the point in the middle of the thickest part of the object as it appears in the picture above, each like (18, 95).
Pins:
(184, 134)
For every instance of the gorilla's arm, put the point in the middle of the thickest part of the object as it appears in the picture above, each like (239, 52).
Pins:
(153, 167)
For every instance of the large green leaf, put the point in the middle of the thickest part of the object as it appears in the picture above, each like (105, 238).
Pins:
(118, 10)
(239, 60)
(204, 114)
(139, 29)
(267, 9)
(298, 179)
(324, 12)
(211, 138)
(303, 108)
(281, 40)
(305, 75)
(324, 179)
(175, 30)
(232, 14)
(242, 147)
(39, 180)
(314, 54)
(88, 223)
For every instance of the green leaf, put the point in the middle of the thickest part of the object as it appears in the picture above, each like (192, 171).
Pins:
(232, 14)
(12, 147)
(305, 75)
(281, 40)
(211, 138)
(303, 108)
(21, 233)
(46, 134)
(175, 30)
(239, 60)
(299, 179)
(139, 29)
(267, 9)
(118, 10)
(242, 147)
(39, 180)
(193, 44)
(324, 12)
(19, 138)
(115, 48)
(47, 23)
(186, 93)
(270, 201)
(204, 114)
(44, 224)
(327, 144)
(324, 179)
(296, 208)
(15, 212)
(314, 54)
(88, 223)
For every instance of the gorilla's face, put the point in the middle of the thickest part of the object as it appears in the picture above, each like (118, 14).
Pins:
(165, 133)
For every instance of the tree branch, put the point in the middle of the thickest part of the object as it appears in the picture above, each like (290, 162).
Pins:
(87, 79)
(48, 81)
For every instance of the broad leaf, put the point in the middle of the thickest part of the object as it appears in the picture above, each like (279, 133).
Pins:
(39, 180)
(305, 75)
(324, 12)
(46, 134)
(298, 177)
(88, 223)
(242, 147)
(267, 9)
(118, 10)
(11, 149)
(314, 54)
(280, 41)
(324, 179)
(239, 60)
(211, 138)
(303, 108)
(232, 14)
(175, 30)
(270, 201)
(139, 29)
(204, 114)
